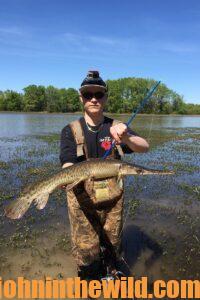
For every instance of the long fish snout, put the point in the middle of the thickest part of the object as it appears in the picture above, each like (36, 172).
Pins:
(127, 169)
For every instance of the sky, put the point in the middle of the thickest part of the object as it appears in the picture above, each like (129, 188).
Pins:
(56, 42)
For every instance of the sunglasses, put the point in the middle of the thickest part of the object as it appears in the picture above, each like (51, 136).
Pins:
(90, 95)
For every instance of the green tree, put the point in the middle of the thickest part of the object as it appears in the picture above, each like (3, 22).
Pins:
(115, 104)
(52, 97)
(69, 100)
(73, 102)
(124, 95)
(2, 102)
(177, 103)
(191, 109)
(12, 101)
(34, 98)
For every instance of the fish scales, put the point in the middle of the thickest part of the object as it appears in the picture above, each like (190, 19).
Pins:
(91, 169)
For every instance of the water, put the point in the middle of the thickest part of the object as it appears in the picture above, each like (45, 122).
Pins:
(18, 124)
(161, 237)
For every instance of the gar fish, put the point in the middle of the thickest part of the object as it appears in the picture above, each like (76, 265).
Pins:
(71, 176)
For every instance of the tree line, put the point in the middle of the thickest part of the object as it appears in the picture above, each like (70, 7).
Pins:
(124, 96)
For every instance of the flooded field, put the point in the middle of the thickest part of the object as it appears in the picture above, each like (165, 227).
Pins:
(161, 235)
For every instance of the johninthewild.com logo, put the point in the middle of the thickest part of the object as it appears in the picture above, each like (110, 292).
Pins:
(73, 288)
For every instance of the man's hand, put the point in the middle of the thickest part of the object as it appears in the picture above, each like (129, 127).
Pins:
(118, 132)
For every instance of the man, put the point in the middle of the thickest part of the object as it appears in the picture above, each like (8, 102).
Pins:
(95, 208)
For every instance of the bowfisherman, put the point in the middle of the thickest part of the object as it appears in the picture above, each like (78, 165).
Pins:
(95, 207)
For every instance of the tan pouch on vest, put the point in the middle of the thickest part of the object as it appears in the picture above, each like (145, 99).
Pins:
(104, 190)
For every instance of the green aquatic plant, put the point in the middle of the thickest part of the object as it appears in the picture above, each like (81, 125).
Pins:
(63, 242)
(193, 190)
(181, 167)
(4, 165)
(50, 138)
(133, 205)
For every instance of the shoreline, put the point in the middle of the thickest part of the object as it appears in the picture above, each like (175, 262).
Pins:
(106, 113)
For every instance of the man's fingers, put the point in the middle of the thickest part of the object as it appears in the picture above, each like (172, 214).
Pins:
(118, 131)
(115, 135)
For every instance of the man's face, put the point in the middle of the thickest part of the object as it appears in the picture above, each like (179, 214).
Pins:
(94, 99)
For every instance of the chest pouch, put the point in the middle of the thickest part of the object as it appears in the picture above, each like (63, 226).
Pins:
(104, 190)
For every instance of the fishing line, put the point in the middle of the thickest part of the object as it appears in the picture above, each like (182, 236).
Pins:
(129, 202)
(152, 121)
(134, 114)
(144, 101)
(150, 129)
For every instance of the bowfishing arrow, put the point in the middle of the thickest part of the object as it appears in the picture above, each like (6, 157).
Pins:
(142, 104)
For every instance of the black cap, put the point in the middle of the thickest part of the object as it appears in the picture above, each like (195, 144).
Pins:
(93, 79)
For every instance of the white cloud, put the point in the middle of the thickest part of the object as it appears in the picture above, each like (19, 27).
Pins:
(179, 48)
(126, 45)
(103, 40)
(80, 39)
(11, 30)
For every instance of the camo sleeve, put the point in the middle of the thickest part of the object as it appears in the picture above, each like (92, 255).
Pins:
(67, 146)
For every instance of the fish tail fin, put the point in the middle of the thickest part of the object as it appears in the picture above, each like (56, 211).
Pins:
(41, 201)
(17, 208)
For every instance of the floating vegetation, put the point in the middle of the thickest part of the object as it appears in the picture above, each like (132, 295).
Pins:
(4, 165)
(52, 138)
(180, 167)
(164, 208)
(193, 190)
(133, 205)
(63, 242)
